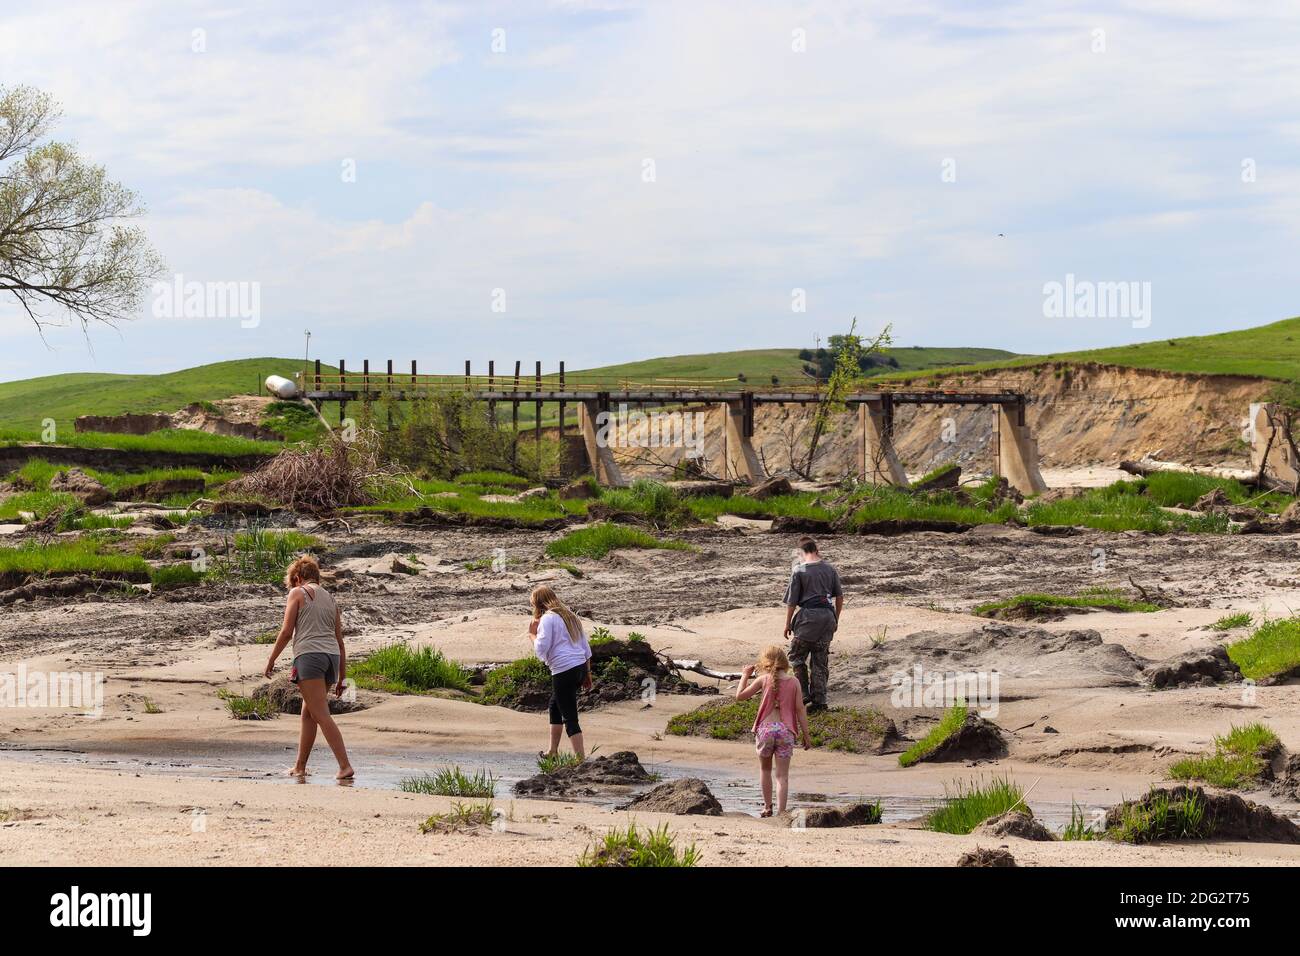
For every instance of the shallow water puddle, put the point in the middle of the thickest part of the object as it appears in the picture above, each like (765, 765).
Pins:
(384, 770)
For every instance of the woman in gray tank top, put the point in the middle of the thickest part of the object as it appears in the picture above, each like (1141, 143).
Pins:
(312, 620)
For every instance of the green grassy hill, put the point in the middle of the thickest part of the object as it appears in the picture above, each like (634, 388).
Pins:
(1266, 351)
(24, 404)
(759, 365)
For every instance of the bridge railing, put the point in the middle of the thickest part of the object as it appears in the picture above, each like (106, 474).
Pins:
(422, 383)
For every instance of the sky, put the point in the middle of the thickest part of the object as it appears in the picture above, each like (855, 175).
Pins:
(605, 181)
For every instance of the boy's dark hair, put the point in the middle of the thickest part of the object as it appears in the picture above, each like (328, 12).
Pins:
(807, 545)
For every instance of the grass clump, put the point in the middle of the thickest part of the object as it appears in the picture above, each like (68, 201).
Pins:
(846, 729)
(399, 670)
(503, 683)
(876, 503)
(633, 847)
(1121, 506)
(1231, 622)
(80, 556)
(246, 708)
(451, 782)
(951, 722)
(171, 576)
(1160, 818)
(966, 806)
(1029, 605)
(1239, 758)
(652, 500)
(598, 540)
(548, 763)
(462, 816)
(1078, 828)
(1272, 650)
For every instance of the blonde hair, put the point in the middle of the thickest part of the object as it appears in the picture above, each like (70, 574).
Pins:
(773, 661)
(544, 599)
(302, 570)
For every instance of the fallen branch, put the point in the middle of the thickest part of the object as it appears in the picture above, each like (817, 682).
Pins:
(699, 668)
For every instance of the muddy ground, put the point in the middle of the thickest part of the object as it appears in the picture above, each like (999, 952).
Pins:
(1082, 724)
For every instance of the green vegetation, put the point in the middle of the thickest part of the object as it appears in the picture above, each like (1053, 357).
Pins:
(261, 554)
(1271, 651)
(494, 479)
(23, 404)
(1078, 828)
(503, 683)
(1239, 758)
(799, 505)
(871, 504)
(966, 806)
(846, 729)
(760, 365)
(935, 474)
(951, 722)
(1121, 506)
(600, 635)
(1159, 818)
(399, 670)
(652, 500)
(451, 782)
(1231, 622)
(292, 421)
(632, 847)
(247, 708)
(1104, 599)
(597, 540)
(548, 763)
(167, 440)
(171, 576)
(461, 816)
(1266, 351)
(70, 556)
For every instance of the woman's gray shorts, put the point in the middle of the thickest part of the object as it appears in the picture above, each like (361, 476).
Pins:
(314, 666)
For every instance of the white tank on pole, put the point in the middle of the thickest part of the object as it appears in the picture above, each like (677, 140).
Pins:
(281, 387)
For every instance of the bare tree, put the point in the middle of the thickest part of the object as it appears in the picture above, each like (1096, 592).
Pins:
(64, 245)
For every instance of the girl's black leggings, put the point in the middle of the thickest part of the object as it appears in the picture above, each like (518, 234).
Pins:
(564, 698)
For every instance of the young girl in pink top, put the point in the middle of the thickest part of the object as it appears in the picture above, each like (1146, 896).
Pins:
(782, 719)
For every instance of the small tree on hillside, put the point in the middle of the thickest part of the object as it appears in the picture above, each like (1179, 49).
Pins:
(64, 247)
(850, 351)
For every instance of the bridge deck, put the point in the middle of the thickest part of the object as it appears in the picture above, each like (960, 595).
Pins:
(634, 396)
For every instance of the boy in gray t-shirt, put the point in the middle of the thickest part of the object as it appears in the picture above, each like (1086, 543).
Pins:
(813, 601)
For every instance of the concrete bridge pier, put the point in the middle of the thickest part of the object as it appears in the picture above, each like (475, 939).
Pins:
(599, 454)
(739, 459)
(877, 461)
(1017, 450)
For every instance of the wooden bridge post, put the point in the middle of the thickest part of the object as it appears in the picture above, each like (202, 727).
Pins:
(492, 405)
(343, 386)
(389, 401)
(561, 403)
(537, 421)
(317, 388)
(365, 387)
(514, 416)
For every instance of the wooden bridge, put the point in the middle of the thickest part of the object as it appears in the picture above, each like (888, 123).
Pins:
(597, 397)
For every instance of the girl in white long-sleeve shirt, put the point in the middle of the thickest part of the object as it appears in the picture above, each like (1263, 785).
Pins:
(560, 643)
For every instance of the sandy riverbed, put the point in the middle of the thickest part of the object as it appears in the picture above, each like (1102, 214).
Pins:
(124, 787)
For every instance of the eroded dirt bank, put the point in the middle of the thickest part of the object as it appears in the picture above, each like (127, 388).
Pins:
(1081, 415)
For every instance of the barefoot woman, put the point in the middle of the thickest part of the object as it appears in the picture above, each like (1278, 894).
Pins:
(563, 648)
(312, 619)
